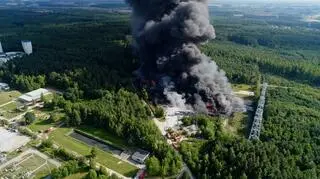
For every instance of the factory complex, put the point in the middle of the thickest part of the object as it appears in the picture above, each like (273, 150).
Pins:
(6, 56)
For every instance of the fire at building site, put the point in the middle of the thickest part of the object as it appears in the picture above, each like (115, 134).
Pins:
(173, 69)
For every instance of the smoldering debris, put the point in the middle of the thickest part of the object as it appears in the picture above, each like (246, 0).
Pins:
(166, 36)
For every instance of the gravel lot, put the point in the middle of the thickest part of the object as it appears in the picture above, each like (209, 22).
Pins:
(172, 118)
(10, 141)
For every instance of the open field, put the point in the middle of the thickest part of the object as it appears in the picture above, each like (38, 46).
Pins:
(76, 176)
(42, 123)
(238, 124)
(9, 107)
(10, 141)
(60, 137)
(10, 110)
(8, 96)
(241, 87)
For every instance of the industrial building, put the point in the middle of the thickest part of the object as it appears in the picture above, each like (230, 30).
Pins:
(4, 87)
(1, 49)
(140, 156)
(33, 96)
(6, 56)
(27, 46)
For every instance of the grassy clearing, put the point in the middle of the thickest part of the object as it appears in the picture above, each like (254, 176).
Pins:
(29, 163)
(49, 96)
(33, 162)
(237, 125)
(8, 96)
(10, 110)
(44, 171)
(59, 137)
(77, 176)
(105, 135)
(9, 107)
(242, 87)
(42, 123)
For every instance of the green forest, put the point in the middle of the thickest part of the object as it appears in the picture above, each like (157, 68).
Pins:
(87, 55)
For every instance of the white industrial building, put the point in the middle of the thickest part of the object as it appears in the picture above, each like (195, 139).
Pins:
(27, 46)
(33, 96)
(6, 56)
(1, 49)
(140, 156)
(4, 86)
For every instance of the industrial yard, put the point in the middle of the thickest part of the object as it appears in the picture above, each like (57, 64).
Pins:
(185, 90)
(10, 140)
(119, 159)
(172, 127)
(6, 56)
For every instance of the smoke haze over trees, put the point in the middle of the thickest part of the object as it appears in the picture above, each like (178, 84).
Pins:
(87, 55)
(167, 35)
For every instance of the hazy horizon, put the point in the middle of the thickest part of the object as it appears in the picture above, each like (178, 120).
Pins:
(257, 1)
(268, 1)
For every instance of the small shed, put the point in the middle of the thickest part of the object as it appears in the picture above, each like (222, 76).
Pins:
(140, 156)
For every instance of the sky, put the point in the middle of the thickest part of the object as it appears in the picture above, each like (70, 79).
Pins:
(295, 1)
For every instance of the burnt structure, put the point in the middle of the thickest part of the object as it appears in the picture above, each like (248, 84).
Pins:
(167, 34)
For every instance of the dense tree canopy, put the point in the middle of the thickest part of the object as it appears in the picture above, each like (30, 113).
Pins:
(88, 56)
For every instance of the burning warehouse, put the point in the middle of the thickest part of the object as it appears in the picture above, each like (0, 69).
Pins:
(167, 35)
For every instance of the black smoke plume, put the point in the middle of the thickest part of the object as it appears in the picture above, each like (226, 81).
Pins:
(166, 36)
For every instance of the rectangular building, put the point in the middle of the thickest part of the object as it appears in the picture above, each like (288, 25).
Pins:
(4, 87)
(140, 156)
(33, 96)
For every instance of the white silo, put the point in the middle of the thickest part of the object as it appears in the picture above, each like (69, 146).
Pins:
(27, 46)
(1, 49)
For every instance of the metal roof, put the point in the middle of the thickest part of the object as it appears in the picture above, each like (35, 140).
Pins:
(34, 95)
(141, 154)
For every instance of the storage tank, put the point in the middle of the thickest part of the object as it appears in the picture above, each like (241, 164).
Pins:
(27, 46)
(1, 49)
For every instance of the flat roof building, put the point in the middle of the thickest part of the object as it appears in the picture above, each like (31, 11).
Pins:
(1, 49)
(33, 96)
(4, 86)
(140, 156)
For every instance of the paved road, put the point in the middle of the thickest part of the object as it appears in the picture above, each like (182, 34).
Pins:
(29, 151)
(275, 86)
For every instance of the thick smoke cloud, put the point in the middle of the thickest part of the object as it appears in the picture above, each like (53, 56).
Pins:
(166, 36)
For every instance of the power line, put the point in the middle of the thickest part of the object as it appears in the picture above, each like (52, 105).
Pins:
(257, 121)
